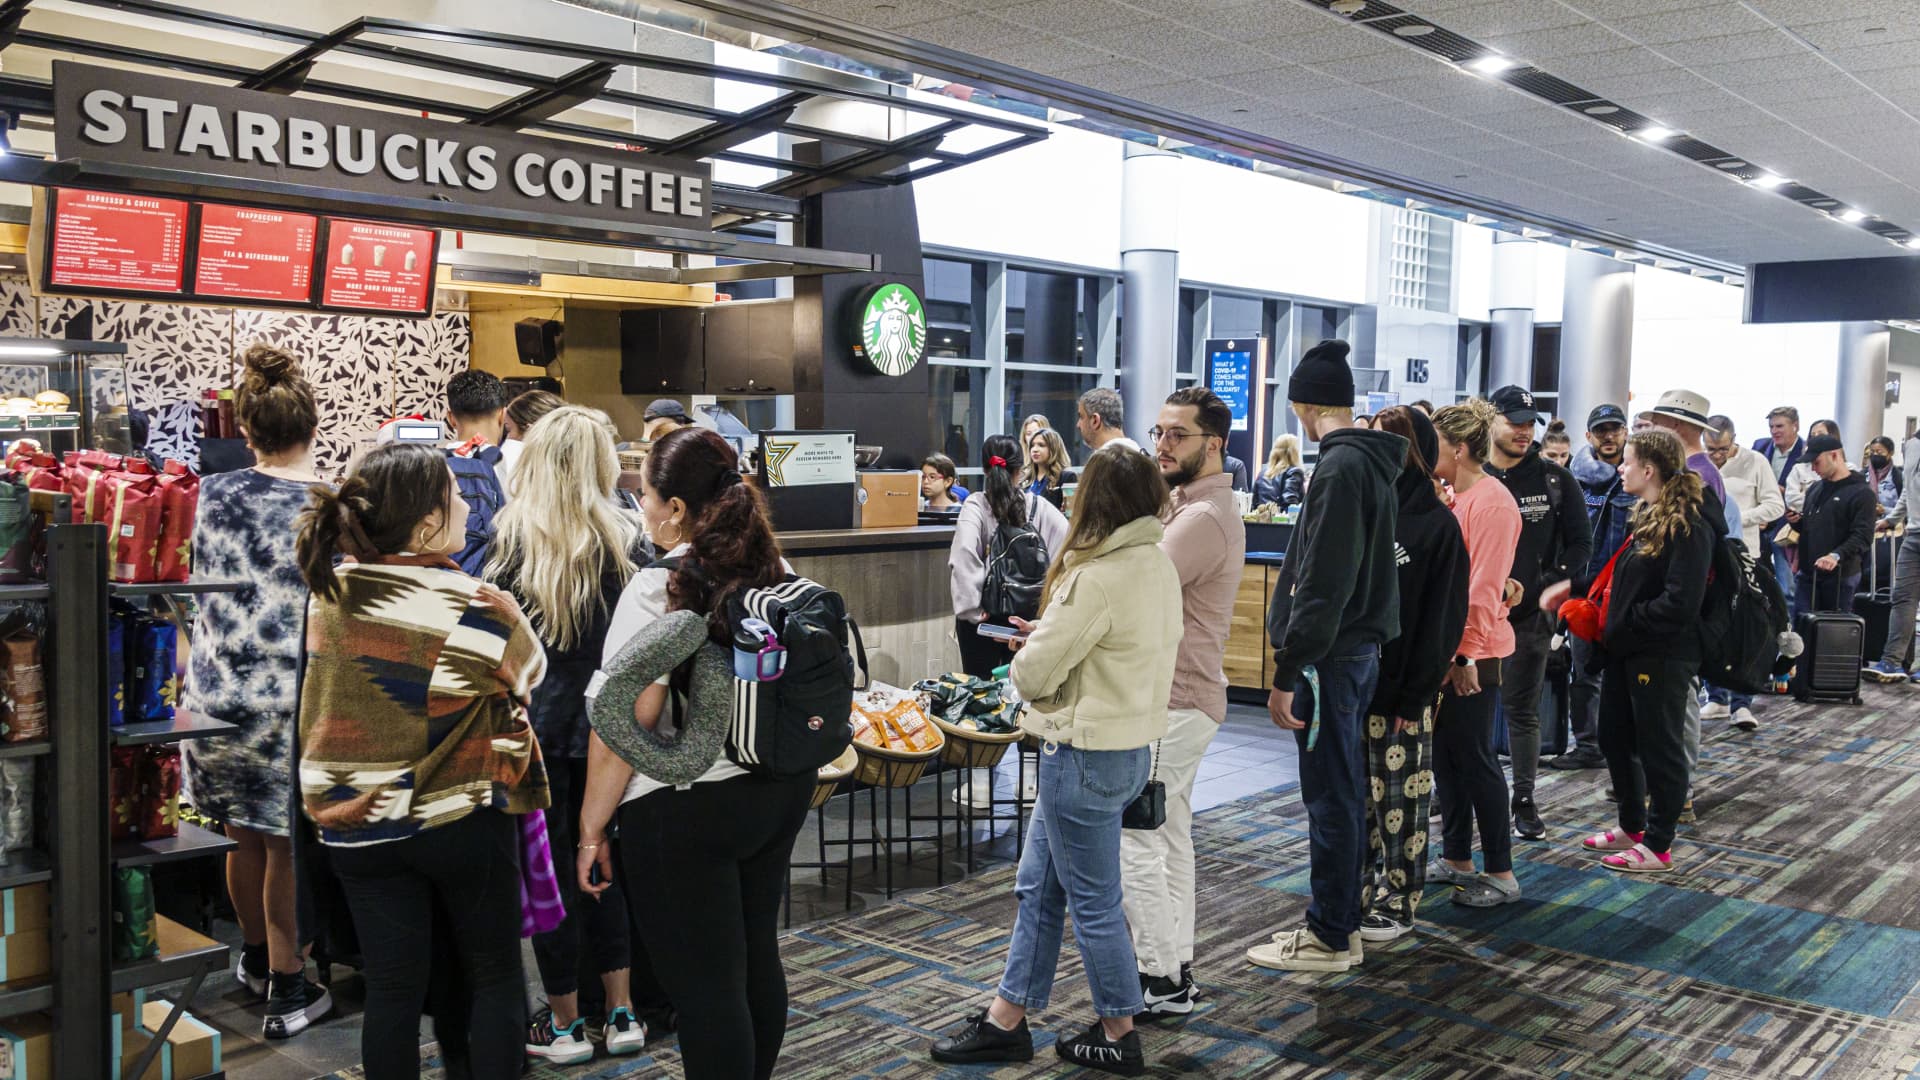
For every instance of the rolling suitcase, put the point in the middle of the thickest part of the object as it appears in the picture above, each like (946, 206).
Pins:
(1829, 667)
(1876, 604)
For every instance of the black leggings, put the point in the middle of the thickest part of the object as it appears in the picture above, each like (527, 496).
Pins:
(705, 870)
(596, 928)
(1467, 781)
(1643, 723)
(461, 883)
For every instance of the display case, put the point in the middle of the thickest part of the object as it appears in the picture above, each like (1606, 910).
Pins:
(66, 395)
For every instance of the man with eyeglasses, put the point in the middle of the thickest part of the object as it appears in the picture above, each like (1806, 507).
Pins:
(1753, 491)
(1207, 544)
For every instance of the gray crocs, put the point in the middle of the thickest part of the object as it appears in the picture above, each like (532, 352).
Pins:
(1447, 875)
(1484, 891)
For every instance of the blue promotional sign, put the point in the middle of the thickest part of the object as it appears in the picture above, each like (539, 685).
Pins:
(1230, 375)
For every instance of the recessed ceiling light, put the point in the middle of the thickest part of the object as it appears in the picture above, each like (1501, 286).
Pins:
(1767, 180)
(1731, 165)
(1601, 110)
(1347, 7)
(1413, 30)
(1493, 65)
(1656, 133)
(1874, 30)
(1914, 242)
(1853, 215)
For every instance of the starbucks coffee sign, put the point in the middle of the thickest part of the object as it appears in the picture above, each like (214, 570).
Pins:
(893, 330)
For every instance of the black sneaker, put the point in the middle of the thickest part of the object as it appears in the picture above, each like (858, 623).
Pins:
(1578, 758)
(1526, 821)
(1093, 1050)
(1383, 928)
(1165, 999)
(295, 1002)
(981, 1040)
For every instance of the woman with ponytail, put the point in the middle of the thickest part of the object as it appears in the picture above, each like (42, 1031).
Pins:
(1001, 501)
(1652, 645)
(417, 758)
(1468, 783)
(244, 670)
(704, 864)
(566, 551)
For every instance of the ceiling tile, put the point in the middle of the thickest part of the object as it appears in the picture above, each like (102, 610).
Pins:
(1860, 30)
(890, 15)
(1691, 23)
(1872, 57)
(1732, 48)
(1071, 16)
(1482, 19)
(1541, 47)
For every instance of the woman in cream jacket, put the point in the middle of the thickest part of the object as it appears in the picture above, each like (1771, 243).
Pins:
(1096, 670)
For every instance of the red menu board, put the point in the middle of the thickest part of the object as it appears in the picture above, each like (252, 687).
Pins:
(376, 267)
(123, 243)
(248, 254)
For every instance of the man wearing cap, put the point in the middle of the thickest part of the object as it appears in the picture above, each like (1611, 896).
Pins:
(1609, 508)
(1337, 601)
(664, 416)
(1836, 530)
(1556, 541)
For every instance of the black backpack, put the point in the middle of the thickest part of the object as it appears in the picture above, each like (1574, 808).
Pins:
(1741, 621)
(1016, 570)
(791, 726)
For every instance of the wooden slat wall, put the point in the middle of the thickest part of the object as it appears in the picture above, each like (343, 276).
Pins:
(901, 601)
(1248, 659)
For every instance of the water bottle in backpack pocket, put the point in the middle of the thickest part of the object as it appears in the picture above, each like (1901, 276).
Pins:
(791, 723)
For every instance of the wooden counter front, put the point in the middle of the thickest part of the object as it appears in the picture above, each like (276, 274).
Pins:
(1248, 659)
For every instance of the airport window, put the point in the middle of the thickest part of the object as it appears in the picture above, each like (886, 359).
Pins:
(1053, 394)
(959, 412)
(1048, 318)
(956, 308)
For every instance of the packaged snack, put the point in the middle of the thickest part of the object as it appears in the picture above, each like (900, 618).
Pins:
(895, 718)
(123, 793)
(16, 805)
(136, 929)
(127, 502)
(23, 685)
(152, 679)
(159, 795)
(179, 501)
(20, 529)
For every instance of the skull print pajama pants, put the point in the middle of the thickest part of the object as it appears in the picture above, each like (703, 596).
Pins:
(1399, 788)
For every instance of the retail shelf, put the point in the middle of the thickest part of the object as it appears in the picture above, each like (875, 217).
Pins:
(17, 593)
(192, 842)
(26, 748)
(183, 954)
(182, 727)
(32, 995)
(25, 868)
(175, 588)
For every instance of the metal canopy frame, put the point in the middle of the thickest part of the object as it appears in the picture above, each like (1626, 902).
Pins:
(857, 159)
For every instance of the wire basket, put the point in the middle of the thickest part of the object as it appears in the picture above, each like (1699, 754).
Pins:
(832, 775)
(883, 766)
(974, 749)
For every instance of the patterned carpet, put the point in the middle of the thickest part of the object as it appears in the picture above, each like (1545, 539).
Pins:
(1787, 945)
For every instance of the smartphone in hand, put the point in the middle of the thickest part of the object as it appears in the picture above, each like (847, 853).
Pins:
(999, 633)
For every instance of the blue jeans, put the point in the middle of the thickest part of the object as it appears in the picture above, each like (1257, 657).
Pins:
(1824, 592)
(1731, 700)
(1333, 784)
(1072, 859)
(1782, 570)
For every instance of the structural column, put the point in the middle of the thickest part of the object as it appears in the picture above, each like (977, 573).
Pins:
(1150, 269)
(1596, 336)
(1510, 304)
(1860, 386)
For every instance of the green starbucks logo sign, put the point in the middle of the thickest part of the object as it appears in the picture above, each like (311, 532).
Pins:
(893, 330)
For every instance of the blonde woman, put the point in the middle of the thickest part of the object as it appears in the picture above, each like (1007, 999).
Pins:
(1283, 481)
(1046, 473)
(1033, 423)
(565, 552)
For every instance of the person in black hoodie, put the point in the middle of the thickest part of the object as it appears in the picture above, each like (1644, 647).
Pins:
(1556, 542)
(1651, 640)
(1336, 603)
(1836, 530)
(1432, 560)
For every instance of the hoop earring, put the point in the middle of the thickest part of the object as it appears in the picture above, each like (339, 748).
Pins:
(679, 534)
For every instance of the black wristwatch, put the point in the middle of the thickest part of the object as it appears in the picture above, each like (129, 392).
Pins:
(1463, 661)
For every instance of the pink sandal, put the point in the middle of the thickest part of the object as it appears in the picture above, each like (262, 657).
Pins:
(1611, 841)
(1639, 860)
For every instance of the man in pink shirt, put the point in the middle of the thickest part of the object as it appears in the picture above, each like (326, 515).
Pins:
(1208, 545)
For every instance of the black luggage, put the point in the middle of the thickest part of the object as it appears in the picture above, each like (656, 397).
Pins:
(1829, 668)
(1875, 605)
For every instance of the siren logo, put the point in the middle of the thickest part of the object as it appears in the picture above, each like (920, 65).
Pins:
(893, 330)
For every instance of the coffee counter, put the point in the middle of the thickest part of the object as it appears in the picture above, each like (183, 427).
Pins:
(895, 584)
(856, 541)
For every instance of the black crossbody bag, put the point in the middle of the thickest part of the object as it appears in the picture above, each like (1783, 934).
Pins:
(1148, 810)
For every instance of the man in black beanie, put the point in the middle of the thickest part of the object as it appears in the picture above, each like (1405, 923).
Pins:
(1337, 601)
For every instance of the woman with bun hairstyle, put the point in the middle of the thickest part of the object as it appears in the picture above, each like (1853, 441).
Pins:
(1468, 783)
(417, 758)
(704, 863)
(565, 552)
(1652, 646)
(1001, 500)
(524, 411)
(243, 670)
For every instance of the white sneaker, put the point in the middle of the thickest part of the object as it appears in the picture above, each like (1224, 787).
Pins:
(1745, 720)
(625, 1033)
(1299, 950)
(977, 796)
(1030, 790)
(1713, 710)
